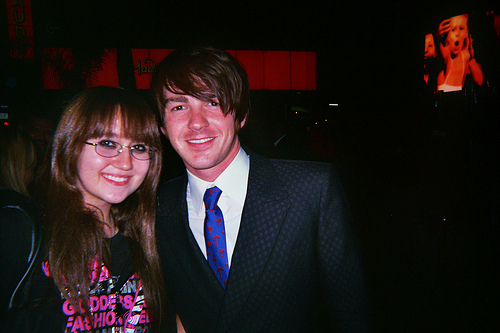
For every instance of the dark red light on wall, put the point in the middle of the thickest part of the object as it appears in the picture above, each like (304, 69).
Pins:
(145, 61)
(60, 70)
(303, 71)
(253, 62)
(276, 70)
(279, 70)
(267, 70)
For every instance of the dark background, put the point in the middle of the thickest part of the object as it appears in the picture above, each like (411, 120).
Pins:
(420, 170)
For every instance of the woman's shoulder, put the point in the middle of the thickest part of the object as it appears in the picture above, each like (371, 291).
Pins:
(18, 203)
(20, 225)
(11, 197)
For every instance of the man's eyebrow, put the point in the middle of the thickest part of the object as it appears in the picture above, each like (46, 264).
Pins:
(178, 99)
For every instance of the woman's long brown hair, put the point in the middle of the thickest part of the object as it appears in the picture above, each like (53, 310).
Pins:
(75, 236)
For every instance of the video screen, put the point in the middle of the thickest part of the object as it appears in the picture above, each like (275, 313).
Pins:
(461, 51)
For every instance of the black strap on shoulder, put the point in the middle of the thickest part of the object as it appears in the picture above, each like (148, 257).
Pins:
(20, 295)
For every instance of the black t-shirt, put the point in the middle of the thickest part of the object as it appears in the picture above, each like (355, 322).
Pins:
(117, 300)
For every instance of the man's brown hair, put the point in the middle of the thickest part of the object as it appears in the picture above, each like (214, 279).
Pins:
(205, 73)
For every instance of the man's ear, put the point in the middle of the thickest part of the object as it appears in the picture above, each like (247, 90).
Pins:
(241, 124)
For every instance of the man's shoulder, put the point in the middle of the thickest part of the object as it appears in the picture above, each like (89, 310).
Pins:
(171, 195)
(292, 168)
(302, 165)
(290, 174)
(173, 187)
(173, 182)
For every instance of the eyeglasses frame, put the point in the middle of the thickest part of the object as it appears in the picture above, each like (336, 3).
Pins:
(151, 151)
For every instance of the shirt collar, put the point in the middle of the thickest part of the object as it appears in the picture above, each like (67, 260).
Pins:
(232, 181)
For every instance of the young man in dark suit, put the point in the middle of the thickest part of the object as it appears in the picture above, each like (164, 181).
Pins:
(276, 251)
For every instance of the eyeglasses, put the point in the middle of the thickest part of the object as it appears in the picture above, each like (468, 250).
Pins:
(108, 148)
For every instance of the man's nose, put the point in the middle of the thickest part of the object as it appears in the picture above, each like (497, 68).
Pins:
(47, 136)
(198, 118)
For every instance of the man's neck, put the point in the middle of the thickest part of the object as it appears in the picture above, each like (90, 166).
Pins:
(211, 174)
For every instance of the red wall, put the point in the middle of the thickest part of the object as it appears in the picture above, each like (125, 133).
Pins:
(267, 70)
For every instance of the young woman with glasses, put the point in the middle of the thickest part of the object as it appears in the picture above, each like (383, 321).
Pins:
(100, 214)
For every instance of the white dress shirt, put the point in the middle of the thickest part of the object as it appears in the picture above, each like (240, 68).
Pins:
(233, 183)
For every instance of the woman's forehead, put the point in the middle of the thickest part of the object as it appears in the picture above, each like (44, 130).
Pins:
(459, 20)
(112, 127)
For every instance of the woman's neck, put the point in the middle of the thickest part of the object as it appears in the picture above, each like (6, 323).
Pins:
(107, 220)
(109, 226)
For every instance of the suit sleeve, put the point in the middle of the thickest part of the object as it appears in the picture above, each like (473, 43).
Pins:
(340, 260)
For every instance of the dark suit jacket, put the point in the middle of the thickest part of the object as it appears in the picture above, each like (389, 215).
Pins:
(295, 268)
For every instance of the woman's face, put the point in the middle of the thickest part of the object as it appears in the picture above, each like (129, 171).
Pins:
(104, 181)
(30, 175)
(457, 36)
(430, 47)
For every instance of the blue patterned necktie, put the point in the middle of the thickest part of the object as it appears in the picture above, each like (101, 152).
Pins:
(215, 235)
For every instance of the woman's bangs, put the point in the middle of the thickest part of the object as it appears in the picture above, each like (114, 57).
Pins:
(138, 124)
(101, 122)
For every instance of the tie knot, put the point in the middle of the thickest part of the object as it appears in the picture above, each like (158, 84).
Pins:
(211, 197)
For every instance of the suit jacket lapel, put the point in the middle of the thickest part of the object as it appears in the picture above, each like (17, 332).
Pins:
(191, 262)
(262, 217)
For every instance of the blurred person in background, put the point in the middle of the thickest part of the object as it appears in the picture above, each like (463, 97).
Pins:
(18, 213)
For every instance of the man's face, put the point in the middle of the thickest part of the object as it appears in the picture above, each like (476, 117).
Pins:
(205, 138)
(41, 131)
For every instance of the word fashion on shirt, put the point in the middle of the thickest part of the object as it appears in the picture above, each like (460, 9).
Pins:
(112, 312)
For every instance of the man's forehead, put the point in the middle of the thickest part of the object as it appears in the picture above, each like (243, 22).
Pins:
(41, 123)
(180, 96)
(174, 97)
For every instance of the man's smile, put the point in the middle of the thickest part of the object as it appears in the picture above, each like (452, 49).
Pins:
(200, 140)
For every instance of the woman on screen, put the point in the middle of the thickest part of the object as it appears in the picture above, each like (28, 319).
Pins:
(458, 54)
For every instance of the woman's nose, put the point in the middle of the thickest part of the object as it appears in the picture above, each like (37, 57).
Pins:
(124, 159)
